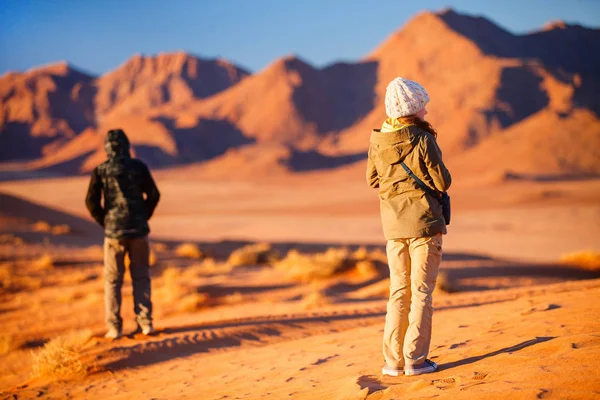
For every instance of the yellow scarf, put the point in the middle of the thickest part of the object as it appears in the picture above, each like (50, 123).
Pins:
(391, 125)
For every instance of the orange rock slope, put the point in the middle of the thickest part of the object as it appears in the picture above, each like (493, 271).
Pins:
(485, 83)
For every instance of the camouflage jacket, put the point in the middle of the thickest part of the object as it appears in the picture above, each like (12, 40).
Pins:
(122, 181)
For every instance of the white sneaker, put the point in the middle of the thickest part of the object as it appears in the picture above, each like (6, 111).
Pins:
(113, 333)
(427, 367)
(391, 371)
(148, 330)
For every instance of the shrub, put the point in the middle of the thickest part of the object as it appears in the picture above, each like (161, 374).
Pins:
(366, 268)
(189, 250)
(193, 302)
(315, 299)
(45, 262)
(310, 267)
(41, 226)
(588, 260)
(160, 247)
(252, 254)
(61, 357)
(61, 230)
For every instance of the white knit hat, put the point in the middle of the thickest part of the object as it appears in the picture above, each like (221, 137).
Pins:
(404, 97)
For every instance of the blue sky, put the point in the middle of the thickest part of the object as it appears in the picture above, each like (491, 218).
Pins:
(98, 36)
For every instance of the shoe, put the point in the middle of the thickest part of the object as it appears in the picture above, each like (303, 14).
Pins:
(425, 368)
(113, 333)
(391, 371)
(148, 330)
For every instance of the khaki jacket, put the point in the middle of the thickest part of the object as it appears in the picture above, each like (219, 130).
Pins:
(407, 211)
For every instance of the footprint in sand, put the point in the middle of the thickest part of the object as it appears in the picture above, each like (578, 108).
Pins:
(458, 345)
(476, 379)
(447, 383)
(460, 382)
(541, 307)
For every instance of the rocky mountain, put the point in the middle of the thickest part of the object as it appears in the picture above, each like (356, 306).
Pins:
(492, 93)
(42, 110)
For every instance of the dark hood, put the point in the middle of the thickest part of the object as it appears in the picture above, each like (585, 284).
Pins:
(116, 144)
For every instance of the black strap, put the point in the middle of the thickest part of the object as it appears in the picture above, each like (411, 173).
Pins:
(423, 185)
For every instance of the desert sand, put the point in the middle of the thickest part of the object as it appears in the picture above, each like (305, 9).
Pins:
(511, 319)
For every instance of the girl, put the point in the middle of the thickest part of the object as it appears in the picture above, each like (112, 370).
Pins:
(413, 223)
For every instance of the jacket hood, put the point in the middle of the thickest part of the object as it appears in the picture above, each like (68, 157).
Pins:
(116, 144)
(394, 146)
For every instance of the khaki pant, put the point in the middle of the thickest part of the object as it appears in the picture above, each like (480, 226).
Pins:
(414, 265)
(114, 271)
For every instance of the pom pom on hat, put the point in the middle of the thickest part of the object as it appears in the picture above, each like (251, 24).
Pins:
(404, 97)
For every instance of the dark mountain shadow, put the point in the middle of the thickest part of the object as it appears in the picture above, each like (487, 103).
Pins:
(351, 92)
(17, 143)
(154, 157)
(208, 139)
(74, 101)
(562, 48)
(520, 95)
(572, 48)
(489, 37)
(208, 77)
(311, 160)
(335, 97)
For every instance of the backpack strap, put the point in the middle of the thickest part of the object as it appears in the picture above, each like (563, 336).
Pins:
(435, 194)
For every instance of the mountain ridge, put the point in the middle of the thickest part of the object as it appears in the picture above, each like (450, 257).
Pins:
(482, 79)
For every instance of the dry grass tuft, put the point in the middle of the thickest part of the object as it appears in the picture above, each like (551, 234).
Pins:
(69, 296)
(234, 298)
(11, 239)
(378, 255)
(153, 259)
(41, 226)
(315, 299)
(366, 268)
(588, 260)
(193, 302)
(170, 277)
(61, 357)
(175, 284)
(361, 254)
(61, 230)
(45, 262)
(252, 254)
(189, 250)
(6, 276)
(310, 267)
(159, 247)
(94, 298)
